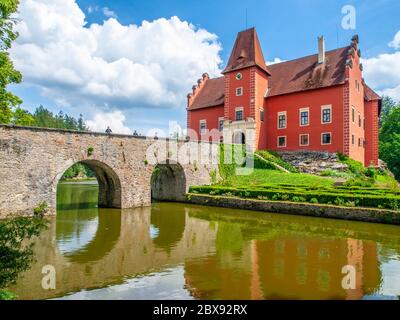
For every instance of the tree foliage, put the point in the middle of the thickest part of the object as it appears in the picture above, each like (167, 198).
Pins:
(46, 119)
(8, 74)
(388, 104)
(389, 139)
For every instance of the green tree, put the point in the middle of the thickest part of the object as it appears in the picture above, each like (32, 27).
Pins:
(388, 104)
(389, 141)
(8, 75)
(22, 117)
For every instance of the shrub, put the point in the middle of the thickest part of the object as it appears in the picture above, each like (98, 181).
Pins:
(40, 209)
(90, 151)
(360, 182)
(213, 176)
(371, 172)
(341, 197)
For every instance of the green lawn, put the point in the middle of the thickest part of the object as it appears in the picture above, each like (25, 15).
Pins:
(264, 176)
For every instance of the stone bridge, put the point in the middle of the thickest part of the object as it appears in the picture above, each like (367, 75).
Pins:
(32, 161)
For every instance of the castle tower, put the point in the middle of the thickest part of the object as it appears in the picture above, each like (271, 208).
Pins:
(246, 83)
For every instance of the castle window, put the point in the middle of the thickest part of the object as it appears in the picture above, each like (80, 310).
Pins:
(239, 76)
(239, 91)
(281, 141)
(304, 140)
(304, 117)
(220, 124)
(326, 114)
(203, 126)
(359, 120)
(326, 138)
(353, 114)
(239, 114)
(360, 142)
(358, 85)
(282, 120)
(262, 115)
(353, 139)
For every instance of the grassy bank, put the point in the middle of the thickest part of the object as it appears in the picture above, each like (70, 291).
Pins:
(274, 180)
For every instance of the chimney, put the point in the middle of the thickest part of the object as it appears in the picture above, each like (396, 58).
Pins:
(321, 49)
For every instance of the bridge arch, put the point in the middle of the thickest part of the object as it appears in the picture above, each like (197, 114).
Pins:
(168, 182)
(109, 183)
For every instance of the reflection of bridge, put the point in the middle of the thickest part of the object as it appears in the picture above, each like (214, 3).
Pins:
(32, 161)
(258, 256)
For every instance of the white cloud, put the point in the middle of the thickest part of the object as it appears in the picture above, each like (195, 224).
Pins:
(110, 65)
(109, 13)
(92, 9)
(382, 72)
(396, 41)
(276, 60)
(115, 120)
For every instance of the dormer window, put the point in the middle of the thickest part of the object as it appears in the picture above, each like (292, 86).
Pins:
(239, 76)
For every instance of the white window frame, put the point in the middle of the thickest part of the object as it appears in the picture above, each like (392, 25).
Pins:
(322, 139)
(239, 76)
(282, 113)
(308, 112)
(219, 121)
(308, 139)
(277, 142)
(239, 109)
(326, 107)
(205, 129)
(239, 91)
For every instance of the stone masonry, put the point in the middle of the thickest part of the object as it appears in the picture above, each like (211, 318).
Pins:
(32, 161)
(314, 162)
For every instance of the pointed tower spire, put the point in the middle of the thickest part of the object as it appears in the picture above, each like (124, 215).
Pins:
(246, 52)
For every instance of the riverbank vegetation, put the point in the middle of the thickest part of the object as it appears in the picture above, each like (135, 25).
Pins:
(340, 196)
(275, 180)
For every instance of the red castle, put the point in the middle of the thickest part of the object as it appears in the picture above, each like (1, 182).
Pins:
(315, 103)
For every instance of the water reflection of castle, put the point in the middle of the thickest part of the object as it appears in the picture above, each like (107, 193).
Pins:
(294, 268)
(224, 255)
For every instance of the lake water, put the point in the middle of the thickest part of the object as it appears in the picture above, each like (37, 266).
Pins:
(180, 251)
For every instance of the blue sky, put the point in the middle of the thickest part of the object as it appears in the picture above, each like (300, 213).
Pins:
(287, 29)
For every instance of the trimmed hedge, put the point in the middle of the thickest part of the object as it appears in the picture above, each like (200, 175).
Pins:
(341, 190)
(387, 201)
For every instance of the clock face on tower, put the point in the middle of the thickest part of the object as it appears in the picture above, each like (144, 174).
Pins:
(239, 76)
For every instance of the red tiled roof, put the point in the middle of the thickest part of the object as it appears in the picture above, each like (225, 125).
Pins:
(305, 73)
(246, 52)
(211, 95)
(370, 94)
(288, 77)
